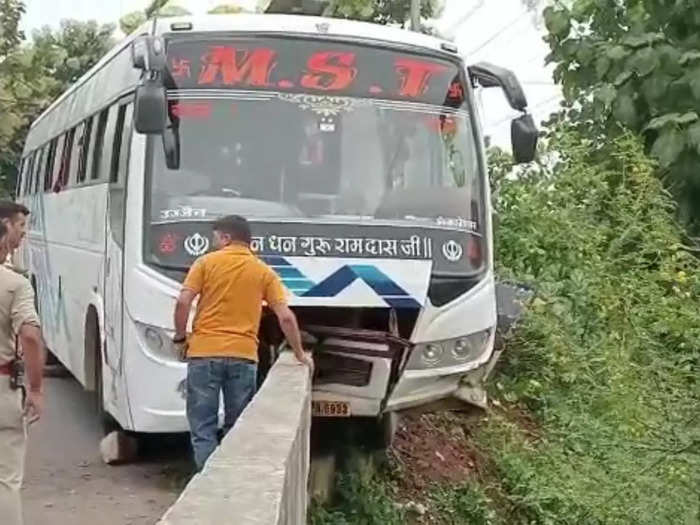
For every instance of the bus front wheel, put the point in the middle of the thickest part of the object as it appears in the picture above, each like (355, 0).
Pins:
(93, 348)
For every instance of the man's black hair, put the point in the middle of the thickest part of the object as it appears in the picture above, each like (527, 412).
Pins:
(8, 209)
(235, 226)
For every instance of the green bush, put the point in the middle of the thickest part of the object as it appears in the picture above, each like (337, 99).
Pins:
(608, 358)
(362, 499)
(463, 505)
(597, 397)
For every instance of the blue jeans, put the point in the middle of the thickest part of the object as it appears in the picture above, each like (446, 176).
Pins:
(206, 379)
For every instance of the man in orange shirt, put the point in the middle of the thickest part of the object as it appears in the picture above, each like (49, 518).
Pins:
(222, 351)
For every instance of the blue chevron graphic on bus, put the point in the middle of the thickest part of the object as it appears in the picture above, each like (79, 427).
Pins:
(331, 286)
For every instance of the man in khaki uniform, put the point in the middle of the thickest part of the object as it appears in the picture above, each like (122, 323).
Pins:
(18, 323)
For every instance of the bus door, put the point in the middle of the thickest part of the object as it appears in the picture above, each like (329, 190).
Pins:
(120, 122)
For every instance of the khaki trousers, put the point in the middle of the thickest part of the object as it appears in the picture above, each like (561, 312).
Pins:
(13, 439)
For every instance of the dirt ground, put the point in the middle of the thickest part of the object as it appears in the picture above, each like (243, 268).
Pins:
(434, 449)
(66, 482)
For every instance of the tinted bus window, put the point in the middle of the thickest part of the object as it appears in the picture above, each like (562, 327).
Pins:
(311, 130)
(117, 145)
(38, 164)
(65, 163)
(125, 149)
(98, 148)
(48, 171)
(24, 183)
(74, 166)
(84, 145)
(20, 178)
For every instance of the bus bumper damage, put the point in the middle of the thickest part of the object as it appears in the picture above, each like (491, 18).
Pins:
(361, 373)
(365, 373)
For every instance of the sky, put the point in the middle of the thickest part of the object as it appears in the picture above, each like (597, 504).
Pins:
(497, 31)
(504, 33)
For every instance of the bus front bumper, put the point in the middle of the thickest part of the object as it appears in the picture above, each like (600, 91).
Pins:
(415, 386)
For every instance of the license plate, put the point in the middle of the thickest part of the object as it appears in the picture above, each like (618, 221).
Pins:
(330, 409)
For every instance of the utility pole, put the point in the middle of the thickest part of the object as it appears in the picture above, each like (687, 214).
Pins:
(415, 15)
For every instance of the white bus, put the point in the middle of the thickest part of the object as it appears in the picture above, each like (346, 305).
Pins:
(354, 149)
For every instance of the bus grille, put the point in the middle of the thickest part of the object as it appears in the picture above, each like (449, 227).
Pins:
(338, 369)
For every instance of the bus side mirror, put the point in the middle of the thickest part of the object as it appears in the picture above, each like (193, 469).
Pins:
(151, 104)
(150, 107)
(523, 135)
(523, 130)
(148, 53)
(489, 75)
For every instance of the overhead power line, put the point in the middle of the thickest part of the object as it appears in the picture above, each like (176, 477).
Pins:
(493, 37)
(466, 16)
(532, 109)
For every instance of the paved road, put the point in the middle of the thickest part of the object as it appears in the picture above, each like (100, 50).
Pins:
(67, 483)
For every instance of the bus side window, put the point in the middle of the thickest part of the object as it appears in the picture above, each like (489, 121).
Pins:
(64, 167)
(48, 171)
(82, 149)
(117, 145)
(125, 148)
(20, 179)
(55, 173)
(24, 184)
(38, 165)
(29, 174)
(107, 150)
(120, 160)
(76, 134)
(98, 145)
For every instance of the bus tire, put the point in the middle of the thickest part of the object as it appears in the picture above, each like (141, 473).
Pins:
(93, 348)
(51, 359)
(389, 424)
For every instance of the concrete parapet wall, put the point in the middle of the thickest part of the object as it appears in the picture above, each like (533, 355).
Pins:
(259, 473)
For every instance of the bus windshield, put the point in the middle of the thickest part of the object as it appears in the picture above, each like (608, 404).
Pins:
(316, 130)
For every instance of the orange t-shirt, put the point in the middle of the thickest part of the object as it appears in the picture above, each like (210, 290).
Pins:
(232, 284)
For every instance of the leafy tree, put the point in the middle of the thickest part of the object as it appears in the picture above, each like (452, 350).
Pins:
(154, 7)
(382, 11)
(10, 38)
(162, 8)
(32, 76)
(69, 52)
(131, 21)
(226, 9)
(635, 64)
(11, 12)
(377, 11)
(172, 10)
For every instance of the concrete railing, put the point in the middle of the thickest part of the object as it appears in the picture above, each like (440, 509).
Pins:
(259, 473)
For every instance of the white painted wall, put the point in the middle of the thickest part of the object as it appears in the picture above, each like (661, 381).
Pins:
(259, 473)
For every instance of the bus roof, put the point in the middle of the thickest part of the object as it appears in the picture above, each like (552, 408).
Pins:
(262, 23)
(310, 25)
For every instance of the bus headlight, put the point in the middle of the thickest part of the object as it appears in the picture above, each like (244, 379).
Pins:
(461, 349)
(157, 341)
(452, 352)
(470, 347)
(154, 338)
(432, 354)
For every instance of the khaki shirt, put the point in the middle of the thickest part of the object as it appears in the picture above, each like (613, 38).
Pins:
(16, 310)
